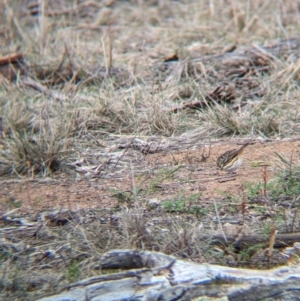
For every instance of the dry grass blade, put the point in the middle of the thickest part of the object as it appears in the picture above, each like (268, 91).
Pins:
(282, 158)
(287, 165)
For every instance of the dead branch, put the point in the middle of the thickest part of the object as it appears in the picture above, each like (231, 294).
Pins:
(161, 277)
(244, 241)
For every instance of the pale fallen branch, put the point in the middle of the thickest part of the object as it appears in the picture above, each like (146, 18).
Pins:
(155, 276)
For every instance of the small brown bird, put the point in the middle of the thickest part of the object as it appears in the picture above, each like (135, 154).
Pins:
(231, 159)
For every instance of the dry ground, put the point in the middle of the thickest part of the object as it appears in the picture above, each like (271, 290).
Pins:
(114, 113)
(192, 176)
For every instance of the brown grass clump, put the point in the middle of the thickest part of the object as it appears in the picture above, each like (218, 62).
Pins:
(34, 140)
(223, 121)
(42, 154)
(99, 86)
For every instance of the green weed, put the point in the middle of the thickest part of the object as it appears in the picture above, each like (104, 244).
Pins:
(185, 205)
(123, 197)
(286, 184)
(73, 271)
(160, 177)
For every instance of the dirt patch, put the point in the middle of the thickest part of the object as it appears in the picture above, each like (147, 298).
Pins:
(189, 175)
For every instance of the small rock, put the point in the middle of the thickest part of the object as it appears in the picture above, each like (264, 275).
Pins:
(154, 202)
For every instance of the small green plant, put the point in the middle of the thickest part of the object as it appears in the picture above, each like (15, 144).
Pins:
(15, 203)
(258, 189)
(261, 209)
(184, 205)
(267, 227)
(200, 211)
(286, 184)
(73, 271)
(229, 197)
(174, 205)
(246, 254)
(253, 189)
(123, 197)
(160, 177)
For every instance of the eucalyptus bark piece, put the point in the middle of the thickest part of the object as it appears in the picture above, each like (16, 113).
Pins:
(151, 276)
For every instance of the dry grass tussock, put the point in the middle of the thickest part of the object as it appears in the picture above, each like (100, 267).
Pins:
(34, 145)
(95, 72)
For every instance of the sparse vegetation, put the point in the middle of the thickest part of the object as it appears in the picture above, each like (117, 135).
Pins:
(225, 122)
(122, 95)
(160, 177)
(73, 271)
(185, 204)
(284, 185)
